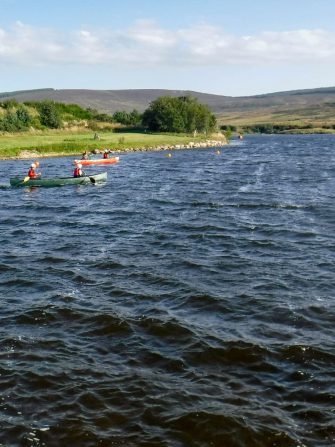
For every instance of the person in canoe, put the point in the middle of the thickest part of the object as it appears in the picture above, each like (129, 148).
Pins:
(106, 152)
(32, 174)
(85, 156)
(78, 172)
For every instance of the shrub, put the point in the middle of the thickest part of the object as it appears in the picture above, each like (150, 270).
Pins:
(49, 116)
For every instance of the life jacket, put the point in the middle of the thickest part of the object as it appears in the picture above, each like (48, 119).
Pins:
(77, 172)
(105, 154)
(32, 173)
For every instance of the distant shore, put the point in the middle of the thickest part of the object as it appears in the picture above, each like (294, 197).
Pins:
(57, 144)
(26, 154)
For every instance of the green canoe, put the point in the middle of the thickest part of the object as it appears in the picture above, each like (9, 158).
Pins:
(60, 181)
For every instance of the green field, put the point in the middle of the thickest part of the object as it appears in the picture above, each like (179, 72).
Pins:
(69, 143)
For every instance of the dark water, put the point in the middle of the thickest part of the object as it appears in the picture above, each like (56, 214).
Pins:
(189, 301)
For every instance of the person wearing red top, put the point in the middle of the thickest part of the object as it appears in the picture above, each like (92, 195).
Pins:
(32, 171)
(105, 153)
(78, 171)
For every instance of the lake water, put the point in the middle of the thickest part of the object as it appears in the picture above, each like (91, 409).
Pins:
(188, 301)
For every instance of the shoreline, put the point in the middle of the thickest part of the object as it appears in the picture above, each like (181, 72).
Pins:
(26, 154)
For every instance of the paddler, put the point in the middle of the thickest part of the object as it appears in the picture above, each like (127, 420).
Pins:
(84, 156)
(78, 171)
(32, 170)
(106, 152)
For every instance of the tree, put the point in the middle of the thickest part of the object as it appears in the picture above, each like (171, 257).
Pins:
(182, 114)
(49, 115)
(14, 121)
(9, 122)
(23, 117)
(120, 117)
(164, 115)
(135, 118)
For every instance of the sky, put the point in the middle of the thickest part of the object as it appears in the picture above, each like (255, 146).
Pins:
(233, 48)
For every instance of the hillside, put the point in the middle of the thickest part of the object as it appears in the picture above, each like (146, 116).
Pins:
(315, 106)
(108, 101)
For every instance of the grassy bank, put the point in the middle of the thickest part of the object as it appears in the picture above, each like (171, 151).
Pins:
(55, 142)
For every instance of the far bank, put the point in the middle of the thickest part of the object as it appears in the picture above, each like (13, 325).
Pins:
(58, 143)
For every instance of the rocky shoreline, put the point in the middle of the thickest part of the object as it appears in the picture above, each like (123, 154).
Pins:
(166, 147)
(26, 154)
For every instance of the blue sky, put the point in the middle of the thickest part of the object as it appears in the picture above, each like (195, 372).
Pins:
(240, 47)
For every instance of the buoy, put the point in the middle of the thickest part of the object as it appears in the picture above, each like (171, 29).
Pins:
(169, 155)
(218, 152)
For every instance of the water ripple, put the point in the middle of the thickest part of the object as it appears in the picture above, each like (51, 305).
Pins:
(187, 302)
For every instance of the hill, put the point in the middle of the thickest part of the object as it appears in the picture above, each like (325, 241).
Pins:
(107, 101)
(312, 106)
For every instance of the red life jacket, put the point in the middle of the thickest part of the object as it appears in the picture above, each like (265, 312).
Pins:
(32, 173)
(105, 154)
(77, 172)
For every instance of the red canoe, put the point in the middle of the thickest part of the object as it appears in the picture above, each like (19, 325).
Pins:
(99, 161)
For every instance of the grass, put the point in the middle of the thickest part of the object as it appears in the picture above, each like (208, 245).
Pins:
(67, 143)
(317, 116)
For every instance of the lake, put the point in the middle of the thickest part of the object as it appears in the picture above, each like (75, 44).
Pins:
(188, 301)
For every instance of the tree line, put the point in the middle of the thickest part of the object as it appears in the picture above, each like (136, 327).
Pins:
(165, 114)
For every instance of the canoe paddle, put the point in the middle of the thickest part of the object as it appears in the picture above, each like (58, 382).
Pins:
(28, 178)
(92, 179)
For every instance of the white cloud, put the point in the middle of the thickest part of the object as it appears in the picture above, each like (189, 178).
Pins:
(145, 44)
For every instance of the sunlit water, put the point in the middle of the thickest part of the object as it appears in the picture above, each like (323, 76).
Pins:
(189, 301)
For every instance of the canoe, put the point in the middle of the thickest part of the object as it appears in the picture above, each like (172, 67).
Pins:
(99, 161)
(60, 181)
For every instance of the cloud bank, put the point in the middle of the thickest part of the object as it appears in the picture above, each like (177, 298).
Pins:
(145, 44)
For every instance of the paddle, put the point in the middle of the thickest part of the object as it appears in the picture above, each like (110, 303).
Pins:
(28, 178)
(92, 179)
